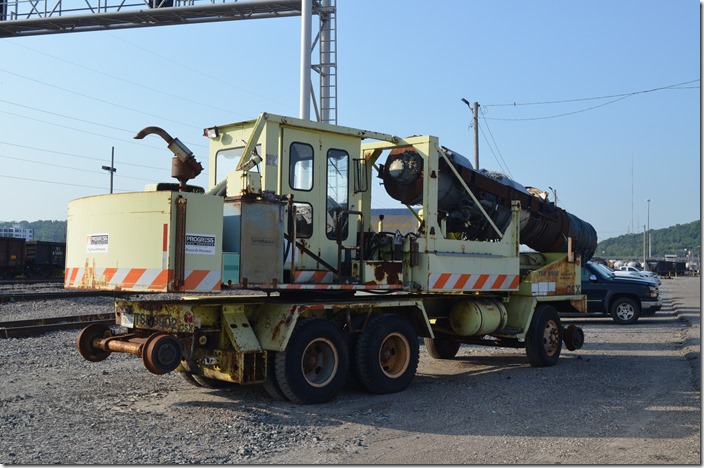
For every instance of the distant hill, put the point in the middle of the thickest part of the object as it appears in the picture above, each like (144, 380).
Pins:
(54, 231)
(678, 239)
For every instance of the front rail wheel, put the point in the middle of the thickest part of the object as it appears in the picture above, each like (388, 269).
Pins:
(313, 367)
(544, 337)
(85, 340)
(386, 356)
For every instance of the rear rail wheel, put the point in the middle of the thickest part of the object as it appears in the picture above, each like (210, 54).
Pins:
(313, 367)
(161, 353)
(386, 355)
(544, 337)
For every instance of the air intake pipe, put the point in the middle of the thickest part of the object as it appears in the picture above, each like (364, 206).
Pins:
(544, 226)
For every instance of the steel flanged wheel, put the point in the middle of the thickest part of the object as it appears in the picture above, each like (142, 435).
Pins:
(573, 337)
(161, 353)
(85, 340)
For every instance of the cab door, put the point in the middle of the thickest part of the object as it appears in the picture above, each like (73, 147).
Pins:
(316, 171)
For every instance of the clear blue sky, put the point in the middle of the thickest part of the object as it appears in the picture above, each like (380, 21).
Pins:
(403, 67)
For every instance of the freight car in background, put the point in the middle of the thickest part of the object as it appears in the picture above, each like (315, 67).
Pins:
(32, 259)
(12, 252)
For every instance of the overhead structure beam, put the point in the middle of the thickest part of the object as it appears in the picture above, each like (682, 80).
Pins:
(19, 18)
(27, 18)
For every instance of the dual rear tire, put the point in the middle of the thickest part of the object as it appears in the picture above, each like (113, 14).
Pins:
(319, 358)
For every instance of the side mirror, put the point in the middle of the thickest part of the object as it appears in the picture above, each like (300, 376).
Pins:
(592, 278)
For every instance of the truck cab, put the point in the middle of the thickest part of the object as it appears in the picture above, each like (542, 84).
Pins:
(624, 298)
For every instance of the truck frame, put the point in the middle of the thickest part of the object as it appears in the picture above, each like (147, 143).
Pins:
(287, 283)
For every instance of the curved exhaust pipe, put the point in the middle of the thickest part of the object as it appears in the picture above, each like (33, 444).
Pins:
(184, 165)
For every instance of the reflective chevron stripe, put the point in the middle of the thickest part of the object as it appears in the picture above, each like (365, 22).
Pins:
(471, 282)
(139, 279)
(313, 276)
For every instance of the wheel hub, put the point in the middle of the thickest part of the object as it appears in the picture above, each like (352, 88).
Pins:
(394, 355)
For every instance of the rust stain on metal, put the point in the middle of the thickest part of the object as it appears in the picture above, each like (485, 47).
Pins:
(388, 273)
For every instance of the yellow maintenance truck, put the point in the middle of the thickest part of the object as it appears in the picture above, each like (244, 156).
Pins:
(284, 279)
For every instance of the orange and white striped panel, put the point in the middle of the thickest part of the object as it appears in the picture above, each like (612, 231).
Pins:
(471, 282)
(312, 276)
(139, 279)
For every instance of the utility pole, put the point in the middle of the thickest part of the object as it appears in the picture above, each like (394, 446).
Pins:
(475, 122)
(650, 244)
(111, 167)
(644, 245)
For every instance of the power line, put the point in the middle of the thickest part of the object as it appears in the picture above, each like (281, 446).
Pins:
(618, 97)
(52, 182)
(673, 86)
(44, 163)
(181, 64)
(79, 156)
(131, 132)
(97, 99)
(130, 141)
(155, 90)
(504, 167)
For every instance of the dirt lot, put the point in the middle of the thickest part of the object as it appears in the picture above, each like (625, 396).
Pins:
(632, 395)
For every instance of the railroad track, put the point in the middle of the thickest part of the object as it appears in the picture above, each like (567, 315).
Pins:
(6, 297)
(31, 281)
(36, 327)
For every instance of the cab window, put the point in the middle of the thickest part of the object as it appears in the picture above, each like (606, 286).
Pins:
(301, 166)
(337, 189)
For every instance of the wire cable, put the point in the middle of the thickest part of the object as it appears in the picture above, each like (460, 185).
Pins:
(97, 99)
(140, 85)
(79, 156)
(619, 97)
(673, 86)
(503, 166)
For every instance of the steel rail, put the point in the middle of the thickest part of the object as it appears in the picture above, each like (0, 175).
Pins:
(38, 296)
(36, 327)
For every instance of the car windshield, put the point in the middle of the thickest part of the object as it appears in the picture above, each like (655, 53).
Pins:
(602, 270)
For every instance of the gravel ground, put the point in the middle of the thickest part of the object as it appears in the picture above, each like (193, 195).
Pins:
(632, 395)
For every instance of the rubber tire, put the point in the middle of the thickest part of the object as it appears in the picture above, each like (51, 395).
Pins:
(353, 381)
(271, 386)
(441, 348)
(625, 307)
(311, 336)
(188, 377)
(544, 337)
(386, 333)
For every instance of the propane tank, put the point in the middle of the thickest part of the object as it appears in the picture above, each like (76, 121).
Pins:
(477, 317)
